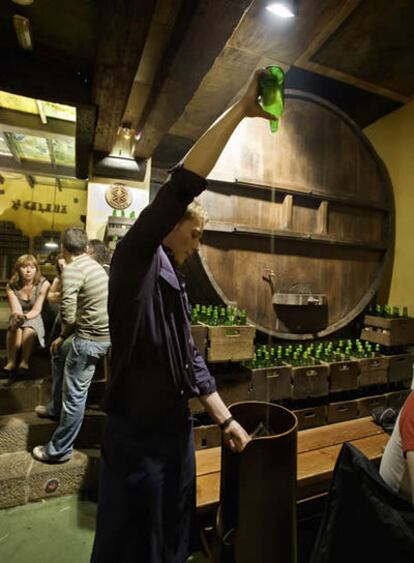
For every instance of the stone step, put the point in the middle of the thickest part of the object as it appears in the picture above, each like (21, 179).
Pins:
(40, 365)
(23, 396)
(22, 431)
(24, 480)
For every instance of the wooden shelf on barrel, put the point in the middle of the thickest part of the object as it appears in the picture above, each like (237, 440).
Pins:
(388, 332)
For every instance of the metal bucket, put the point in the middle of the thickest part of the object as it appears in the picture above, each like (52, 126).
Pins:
(256, 521)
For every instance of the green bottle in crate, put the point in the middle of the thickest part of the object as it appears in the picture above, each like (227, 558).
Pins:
(243, 317)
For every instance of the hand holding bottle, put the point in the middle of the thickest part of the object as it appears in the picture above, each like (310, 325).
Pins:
(271, 91)
(250, 99)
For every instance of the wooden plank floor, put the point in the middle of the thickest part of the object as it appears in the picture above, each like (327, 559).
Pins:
(318, 449)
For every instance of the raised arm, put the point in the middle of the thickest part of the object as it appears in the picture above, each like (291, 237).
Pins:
(204, 154)
(55, 292)
(161, 216)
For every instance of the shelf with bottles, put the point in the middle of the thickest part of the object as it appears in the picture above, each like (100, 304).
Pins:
(373, 366)
(214, 315)
(389, 326)
(308, 374)
(118, 224)
(229, 336)
(268, 366)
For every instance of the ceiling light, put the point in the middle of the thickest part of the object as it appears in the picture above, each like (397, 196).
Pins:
(23, 2)
(282, 9)
(51, 244)
(23, 32)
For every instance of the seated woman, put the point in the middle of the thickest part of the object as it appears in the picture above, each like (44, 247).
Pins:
(26, 292)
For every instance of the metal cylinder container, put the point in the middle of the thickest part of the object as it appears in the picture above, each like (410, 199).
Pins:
(257, 514)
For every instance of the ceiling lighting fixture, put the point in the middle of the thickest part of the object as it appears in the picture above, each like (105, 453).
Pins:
(284, 9)
(23, 32)
(23, 2)
(52, 243)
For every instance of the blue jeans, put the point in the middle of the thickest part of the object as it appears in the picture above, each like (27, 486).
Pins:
(72, 368)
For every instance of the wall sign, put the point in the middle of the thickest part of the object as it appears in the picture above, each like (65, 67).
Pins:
(118, 196)
(38, 206)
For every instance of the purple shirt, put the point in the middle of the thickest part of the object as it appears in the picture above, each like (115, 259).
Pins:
(155, 366)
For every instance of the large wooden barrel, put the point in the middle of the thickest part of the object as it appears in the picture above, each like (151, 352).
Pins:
(301, 223)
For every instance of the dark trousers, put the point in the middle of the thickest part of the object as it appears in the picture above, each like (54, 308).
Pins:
(146, 500)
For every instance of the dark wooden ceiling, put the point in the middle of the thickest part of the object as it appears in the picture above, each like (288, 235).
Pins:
(168, 68)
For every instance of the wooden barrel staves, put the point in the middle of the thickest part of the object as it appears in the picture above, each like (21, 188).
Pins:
(301, 223)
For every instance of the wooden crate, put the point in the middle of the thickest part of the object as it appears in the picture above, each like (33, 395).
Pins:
(389, 332)
(199, 333)
(343, 376)
(396, 399)
(367, 404)
(230, 343)
(372, 371)
(311, 417)
(275, 383)
(310, 381)
(400, 367)
(243, 385)
(207, 436)
(342, 410)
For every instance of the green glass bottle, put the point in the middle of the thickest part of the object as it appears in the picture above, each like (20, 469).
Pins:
(405, 312)
(122, 212)
(271, 91)
(132, 215)
(194, 316)
(114, 213)
(243, 317)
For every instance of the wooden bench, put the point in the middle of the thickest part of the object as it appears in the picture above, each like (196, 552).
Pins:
(318, 449)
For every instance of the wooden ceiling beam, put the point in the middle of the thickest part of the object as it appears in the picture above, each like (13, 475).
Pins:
(30, 124)
(183, 69)
(123, 30)
(27, 167)
(85, 132)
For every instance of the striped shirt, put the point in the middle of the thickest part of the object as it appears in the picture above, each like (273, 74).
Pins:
(84, 299)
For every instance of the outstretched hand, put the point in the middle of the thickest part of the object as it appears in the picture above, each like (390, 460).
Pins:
(249, 99)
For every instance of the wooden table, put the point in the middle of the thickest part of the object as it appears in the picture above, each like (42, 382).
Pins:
(318, 449)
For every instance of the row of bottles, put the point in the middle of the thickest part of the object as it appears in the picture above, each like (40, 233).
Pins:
(218, 316)
(122, 213)
(388, 312)
(314, 353)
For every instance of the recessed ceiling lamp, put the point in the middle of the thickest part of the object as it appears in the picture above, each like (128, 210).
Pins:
(52, 243)
(23, 32)
(283, 9)
(23, 2)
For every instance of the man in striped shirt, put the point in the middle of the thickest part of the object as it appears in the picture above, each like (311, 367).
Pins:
(84, 339)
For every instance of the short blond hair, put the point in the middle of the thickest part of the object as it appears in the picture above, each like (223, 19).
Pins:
(195, 209)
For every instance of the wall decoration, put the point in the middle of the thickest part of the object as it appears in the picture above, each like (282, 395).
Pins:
(118, 196)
